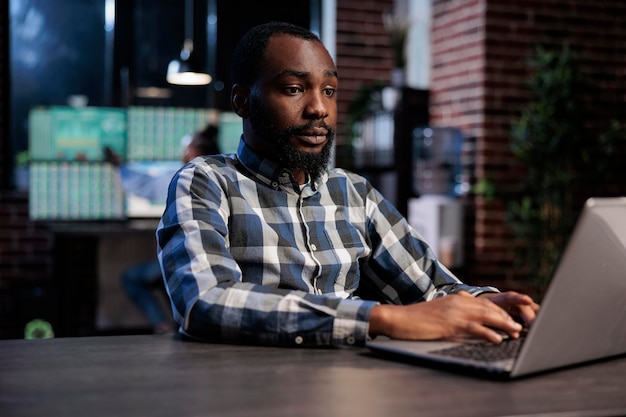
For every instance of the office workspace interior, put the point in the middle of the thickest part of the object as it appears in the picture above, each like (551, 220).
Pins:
(442, 105)
(486, 123)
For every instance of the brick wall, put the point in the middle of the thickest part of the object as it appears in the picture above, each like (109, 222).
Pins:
(363, 54)
(480, 48)
(25, 246)
(25, 264)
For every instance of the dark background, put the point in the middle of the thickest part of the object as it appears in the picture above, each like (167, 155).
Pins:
(60, 48)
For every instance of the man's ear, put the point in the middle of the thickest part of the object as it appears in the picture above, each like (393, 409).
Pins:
(239, 99)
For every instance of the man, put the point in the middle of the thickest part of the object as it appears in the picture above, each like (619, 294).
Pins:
(268, 246)
(140, 281)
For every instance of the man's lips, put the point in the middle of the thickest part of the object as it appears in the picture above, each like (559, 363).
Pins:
(313, 136)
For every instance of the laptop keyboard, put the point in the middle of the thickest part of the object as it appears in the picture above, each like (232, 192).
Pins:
(485, 351)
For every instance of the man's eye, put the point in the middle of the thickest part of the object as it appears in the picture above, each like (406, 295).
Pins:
(329, 92)
(292, 90)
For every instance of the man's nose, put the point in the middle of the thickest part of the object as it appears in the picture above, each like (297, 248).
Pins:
(317, 106)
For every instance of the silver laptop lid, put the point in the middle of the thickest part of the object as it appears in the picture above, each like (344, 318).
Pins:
(583, 315)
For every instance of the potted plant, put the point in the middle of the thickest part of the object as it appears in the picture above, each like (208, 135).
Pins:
(398, 28)
(565, 161)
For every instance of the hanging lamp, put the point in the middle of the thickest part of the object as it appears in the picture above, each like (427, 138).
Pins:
(187, 70)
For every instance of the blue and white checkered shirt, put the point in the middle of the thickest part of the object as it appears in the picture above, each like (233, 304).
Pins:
(250, 256)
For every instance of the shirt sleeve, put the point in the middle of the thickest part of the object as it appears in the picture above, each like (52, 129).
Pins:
(403, 269)
(211, 300)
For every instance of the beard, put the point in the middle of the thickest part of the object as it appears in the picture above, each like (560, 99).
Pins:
(281, 150)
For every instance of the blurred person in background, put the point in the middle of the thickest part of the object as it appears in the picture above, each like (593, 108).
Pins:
(143, 283)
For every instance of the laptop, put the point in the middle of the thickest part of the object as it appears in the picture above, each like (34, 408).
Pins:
(582, 316)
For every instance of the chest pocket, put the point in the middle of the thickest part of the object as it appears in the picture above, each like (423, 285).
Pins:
(344, 250)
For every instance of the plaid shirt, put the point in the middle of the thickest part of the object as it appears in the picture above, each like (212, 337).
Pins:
(250, 256)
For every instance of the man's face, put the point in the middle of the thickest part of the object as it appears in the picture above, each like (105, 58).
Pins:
(292, 106)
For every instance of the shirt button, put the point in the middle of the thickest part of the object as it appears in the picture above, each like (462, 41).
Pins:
(299, 340)
(274, 185)
(313, 247)
(350, 340)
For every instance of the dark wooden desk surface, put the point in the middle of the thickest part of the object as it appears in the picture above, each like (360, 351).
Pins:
(165, 376)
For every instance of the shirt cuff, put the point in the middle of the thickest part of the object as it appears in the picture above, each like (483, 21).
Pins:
(351, 324)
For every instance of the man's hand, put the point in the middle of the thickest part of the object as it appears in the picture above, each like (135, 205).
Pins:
(457, 315)
(520, 306)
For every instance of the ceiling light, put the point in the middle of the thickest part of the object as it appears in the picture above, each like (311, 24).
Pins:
(187, 70)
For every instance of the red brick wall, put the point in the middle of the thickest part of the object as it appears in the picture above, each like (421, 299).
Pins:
(363, 54)
(25, 246)
(480, 48)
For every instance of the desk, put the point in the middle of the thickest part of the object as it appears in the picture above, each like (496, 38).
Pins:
(150, 375)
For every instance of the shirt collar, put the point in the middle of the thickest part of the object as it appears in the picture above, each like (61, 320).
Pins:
(269, 172)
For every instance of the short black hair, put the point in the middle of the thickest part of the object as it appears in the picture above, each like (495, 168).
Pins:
(249, 52)
(205, 140)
